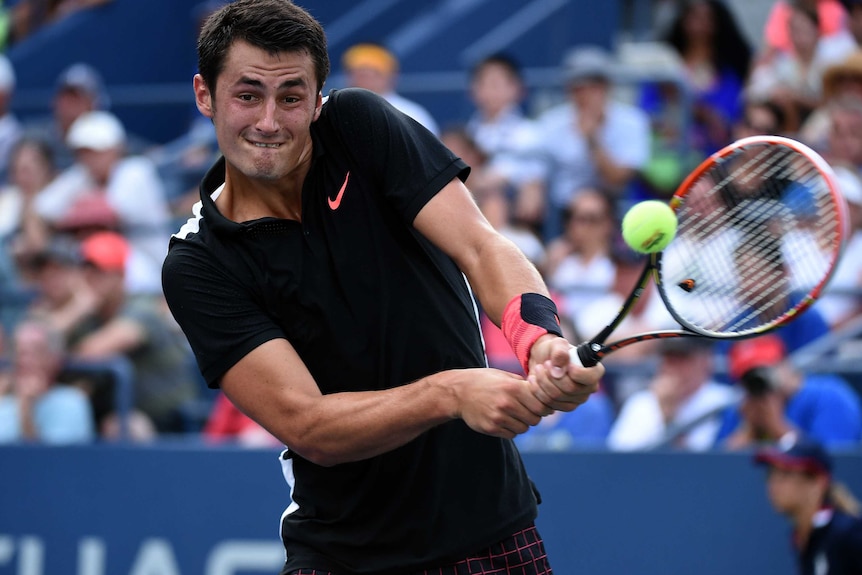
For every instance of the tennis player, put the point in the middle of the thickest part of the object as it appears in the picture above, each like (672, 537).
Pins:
(323, 285)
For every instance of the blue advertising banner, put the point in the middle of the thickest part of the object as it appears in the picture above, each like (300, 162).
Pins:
(194, 510)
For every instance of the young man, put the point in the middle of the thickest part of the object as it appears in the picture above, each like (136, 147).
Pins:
(322, 286)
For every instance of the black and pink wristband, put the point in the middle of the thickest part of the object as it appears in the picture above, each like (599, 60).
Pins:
(528, 317)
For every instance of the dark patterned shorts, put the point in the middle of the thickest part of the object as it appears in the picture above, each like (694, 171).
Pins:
(520, 554)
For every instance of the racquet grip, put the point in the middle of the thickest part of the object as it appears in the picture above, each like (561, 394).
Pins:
(584, 355)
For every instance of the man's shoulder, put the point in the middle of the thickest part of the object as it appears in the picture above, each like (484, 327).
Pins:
(351, 98)
(826, 384)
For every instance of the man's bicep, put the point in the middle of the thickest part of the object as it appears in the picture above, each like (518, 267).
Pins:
(272, 386)
(452, 221)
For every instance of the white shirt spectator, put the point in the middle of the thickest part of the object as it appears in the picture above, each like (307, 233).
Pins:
(641, 424)
(135, 192)
(625, 134)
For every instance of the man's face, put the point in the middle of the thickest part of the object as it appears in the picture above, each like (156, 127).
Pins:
(99, 163)
(589, 95)
(262, 110)
(32, 352)
(845, 136)
(495, 88)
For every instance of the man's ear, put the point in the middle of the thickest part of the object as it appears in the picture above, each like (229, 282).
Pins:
(318, 106)
(203, 96)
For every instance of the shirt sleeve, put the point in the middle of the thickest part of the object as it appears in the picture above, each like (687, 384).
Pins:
(412, 164)
(216, 312)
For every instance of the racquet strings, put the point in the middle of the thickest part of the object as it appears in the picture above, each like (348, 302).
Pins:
(758, 235)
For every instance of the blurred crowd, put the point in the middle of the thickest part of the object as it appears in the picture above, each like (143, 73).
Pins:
(87, 210)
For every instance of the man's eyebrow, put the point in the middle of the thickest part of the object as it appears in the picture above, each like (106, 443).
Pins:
(291, 83)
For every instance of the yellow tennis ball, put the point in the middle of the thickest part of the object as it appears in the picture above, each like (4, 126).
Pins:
(649, 226)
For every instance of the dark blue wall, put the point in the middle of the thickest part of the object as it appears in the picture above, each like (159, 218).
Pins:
(146, 49)
(215, 511)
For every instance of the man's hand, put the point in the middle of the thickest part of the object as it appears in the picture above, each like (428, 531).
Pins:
(554, 380)
(496, 402)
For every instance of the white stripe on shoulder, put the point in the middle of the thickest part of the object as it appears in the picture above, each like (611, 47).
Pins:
(193, 224)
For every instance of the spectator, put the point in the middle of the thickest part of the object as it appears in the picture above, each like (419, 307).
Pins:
(373, 67)
(760, 116)
(59, 284)
(490, 193)
(108, 189)
(842, 82)
(762, 306)
(664, 96)
(776, 31)
(499, 126)
(579, 265)
(682, 405)
(845, 155)
(794, 79)
(10, 127)
(79, 89)
(781, 401)
(22, 232)
(108, 322)
(716, 58)
(589, 141)
(39, 409)
(827, 531)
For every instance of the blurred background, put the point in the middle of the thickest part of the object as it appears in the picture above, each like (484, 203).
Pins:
(116, 458)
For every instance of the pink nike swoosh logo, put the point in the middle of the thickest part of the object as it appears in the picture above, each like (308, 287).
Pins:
(333, 204)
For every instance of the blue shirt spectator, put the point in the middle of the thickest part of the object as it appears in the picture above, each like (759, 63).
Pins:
(37, 407)
(782, 401)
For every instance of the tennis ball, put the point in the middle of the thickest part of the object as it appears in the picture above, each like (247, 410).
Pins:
(649, 226)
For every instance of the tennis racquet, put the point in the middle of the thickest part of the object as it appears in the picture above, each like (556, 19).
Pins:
(761, 229)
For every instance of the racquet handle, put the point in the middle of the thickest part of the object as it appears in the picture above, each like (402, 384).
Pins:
(583, 355)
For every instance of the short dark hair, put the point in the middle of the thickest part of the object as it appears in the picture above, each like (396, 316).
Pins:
(505, 61)
(272, 25)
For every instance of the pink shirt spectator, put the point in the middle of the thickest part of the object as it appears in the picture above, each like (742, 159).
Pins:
(832, 20)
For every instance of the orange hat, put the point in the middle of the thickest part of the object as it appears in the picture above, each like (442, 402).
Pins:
(108, 251)
(761, 351)
(370, 56)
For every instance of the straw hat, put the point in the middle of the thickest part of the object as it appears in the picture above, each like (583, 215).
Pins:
(850, 66)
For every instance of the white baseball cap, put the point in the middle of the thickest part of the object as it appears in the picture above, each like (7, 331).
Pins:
(96, 131)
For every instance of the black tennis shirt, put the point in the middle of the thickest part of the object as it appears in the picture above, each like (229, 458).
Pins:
(368, 304)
